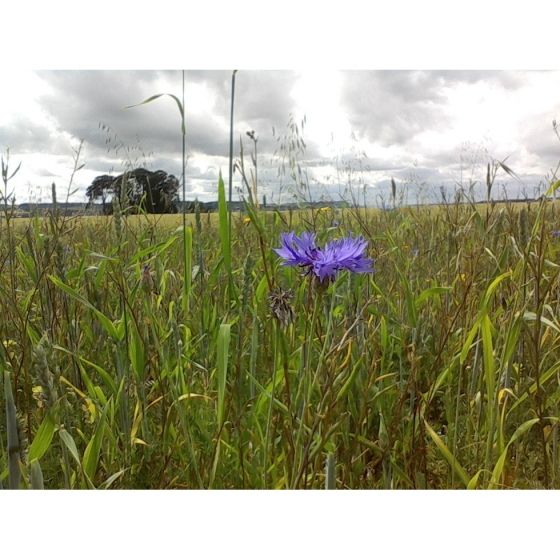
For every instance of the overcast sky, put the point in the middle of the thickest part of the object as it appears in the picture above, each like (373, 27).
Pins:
(425, 129)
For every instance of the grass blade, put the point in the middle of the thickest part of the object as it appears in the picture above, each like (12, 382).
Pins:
(36, 475)
(448, 455)
(13, 439)
(223, 347)
(43, 438)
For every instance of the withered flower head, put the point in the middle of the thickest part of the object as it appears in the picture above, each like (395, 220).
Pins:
(280, 305)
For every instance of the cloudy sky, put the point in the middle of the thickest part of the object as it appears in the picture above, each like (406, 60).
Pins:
(425, 129)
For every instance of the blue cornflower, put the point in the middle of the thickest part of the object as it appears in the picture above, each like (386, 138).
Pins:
(341, 254)
(556, 233)
(415, 252)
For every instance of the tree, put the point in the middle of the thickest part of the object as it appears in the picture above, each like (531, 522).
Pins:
(154, 192)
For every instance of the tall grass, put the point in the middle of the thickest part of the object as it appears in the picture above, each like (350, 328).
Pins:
(438, 371)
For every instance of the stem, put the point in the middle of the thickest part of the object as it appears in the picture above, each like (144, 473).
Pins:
(269, 420)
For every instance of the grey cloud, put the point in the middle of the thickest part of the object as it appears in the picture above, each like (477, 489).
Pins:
(504, 79)
(80, 100)
(390, 107)
(26, 136)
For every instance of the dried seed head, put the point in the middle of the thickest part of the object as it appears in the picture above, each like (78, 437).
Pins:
(280, 305)
(147, 281)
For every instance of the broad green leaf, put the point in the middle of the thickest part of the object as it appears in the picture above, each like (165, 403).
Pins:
(431, 292)
(43, 438)
(69, 442)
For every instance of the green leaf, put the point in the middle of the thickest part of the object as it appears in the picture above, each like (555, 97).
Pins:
(155, 250)
(489, 294)
(552, 188)
(105, 321)
(43, 438)
(474, 480)
(68, 440)
(467, 346)
(497, 472)
(187, 247)
(410, 304)
(12, 436)
(266, 395)
(543, 379)
(101, 257)
(448, 455)
(112, 479)
(223, 346)
(350, 381)
(91, 454)
(28, 263)
(224, 228)
(154, 97)
(36, 475)
(488, 355)
(532, 316)
(431, 292)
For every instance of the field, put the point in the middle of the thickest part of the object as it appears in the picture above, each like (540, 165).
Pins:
(441, 369)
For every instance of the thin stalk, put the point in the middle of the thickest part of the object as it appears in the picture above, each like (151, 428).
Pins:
(269, 420)
(231, 150)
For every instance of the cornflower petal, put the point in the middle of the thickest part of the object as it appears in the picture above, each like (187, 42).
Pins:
(297, 251)
(345, 253)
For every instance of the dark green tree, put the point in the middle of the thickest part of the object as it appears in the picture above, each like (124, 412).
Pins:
(154, 192)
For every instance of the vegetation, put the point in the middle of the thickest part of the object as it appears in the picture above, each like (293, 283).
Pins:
(440, 370)
(153, 192)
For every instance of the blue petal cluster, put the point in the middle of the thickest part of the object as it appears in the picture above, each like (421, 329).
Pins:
(345, 253)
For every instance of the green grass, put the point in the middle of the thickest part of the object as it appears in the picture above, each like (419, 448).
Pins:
(440, 370)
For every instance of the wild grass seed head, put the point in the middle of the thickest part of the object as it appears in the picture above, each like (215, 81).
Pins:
(45, 377)
(522, 225)
(117, 214)
(22, 436)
